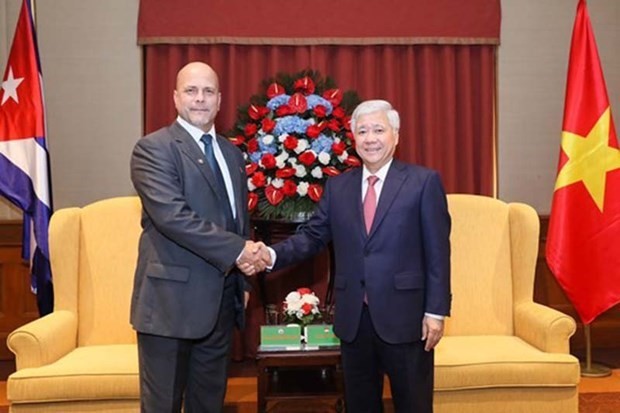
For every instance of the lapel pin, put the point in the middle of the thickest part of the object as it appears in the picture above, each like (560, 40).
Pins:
(201, 161)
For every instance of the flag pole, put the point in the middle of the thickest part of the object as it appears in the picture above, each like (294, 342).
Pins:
(589, 369)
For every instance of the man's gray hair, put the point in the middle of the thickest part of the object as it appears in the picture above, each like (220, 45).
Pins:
(371, 106)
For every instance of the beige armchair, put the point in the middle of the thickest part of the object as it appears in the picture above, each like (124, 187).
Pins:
(502, 353)
(83, 357)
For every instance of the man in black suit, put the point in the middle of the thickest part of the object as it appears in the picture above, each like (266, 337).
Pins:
(187, 292)
(390, 229)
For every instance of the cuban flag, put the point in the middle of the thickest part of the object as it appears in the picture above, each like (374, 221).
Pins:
(24, 160)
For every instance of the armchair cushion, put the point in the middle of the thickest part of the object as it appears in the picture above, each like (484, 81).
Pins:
(88, 373)
(475, 362)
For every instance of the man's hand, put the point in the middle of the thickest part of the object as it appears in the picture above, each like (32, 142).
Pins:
(432, 331)
(254, 258)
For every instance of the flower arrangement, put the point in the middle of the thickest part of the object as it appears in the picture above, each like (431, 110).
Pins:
(301, 307)
(294, 136)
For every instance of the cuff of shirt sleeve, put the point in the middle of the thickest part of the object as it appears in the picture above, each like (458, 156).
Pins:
(435, 316)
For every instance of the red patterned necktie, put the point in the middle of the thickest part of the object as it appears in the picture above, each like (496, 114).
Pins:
(370, 202)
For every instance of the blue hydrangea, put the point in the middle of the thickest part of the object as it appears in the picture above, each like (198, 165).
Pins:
(256, 156)
(322, 144)
(277, 101)
(264, 148)
(291, 124)
(316, 100)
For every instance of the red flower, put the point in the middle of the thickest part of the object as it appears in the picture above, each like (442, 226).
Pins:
(298, 103)
(339, 112)
(252, 201)
(306, 308)
(307, 158)
(257, 112)
(274, 196)
(346, 122)
(330, 171)
(268, 125)
(284, 110)
(339, 148)
(334, 96)
(352, 161)
(237, 140)
(304, 290)
(289, 188)
(258, 179)
(252, 145)
(313, 131)
(304, 85)
(334, 125)
(290, 142)
(274, 90)
(315, 191)
(285, 172)
(251, 168)
(320, 111)
(268, 161)
(250, 130)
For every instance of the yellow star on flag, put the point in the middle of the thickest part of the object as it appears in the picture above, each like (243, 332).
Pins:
(589, 159)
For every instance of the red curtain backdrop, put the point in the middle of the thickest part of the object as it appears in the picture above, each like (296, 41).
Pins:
(295, 22)
(444, 94)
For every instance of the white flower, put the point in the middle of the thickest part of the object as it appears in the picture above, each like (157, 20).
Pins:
(302, 145)
(281, 159)
(282, 137)
(343, 157)
(251, 186)
(277, 183)
(302, 188)
(300, 171)
(292, 161)
(324, 158)
(293, 296)
(317, 172)
(268, 139)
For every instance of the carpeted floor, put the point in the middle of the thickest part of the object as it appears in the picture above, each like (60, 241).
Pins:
(596, 395)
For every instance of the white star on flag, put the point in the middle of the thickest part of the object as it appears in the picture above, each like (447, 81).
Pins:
(10, 87)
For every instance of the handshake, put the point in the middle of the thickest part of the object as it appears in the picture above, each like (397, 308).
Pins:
(254, 258)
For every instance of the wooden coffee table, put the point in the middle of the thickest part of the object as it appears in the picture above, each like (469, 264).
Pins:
(299, 374)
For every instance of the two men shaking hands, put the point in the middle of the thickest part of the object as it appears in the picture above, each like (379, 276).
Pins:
(255, 258)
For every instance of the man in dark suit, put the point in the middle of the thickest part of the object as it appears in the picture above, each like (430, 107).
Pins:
(390, 229)
(187, 292)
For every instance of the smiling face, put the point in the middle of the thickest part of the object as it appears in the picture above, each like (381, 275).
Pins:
(375, 140)
(197, 95)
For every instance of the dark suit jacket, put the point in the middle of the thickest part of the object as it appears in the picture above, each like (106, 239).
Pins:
(184, 252)
(403, 265)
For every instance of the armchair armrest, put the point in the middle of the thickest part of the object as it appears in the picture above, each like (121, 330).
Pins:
(543, 327)
(44, 340)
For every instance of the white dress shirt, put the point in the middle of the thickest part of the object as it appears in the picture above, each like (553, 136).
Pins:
(197, 133)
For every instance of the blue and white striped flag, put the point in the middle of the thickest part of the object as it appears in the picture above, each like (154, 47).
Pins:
(24, 160)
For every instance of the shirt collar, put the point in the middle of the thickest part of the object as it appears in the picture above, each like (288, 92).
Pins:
(381, 173)
(195, 132)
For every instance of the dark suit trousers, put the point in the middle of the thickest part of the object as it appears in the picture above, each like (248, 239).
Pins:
(176, 371)
(367, 358)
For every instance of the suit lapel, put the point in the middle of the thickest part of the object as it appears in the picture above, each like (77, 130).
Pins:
(353, 192)
(393, 182)
(190, 148)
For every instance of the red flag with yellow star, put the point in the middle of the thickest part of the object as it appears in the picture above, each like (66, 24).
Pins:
(583, 242)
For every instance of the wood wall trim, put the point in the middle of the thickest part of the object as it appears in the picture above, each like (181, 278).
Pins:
(10, 233)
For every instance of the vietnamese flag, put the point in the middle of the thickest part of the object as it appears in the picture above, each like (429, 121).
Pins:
(583, 242)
